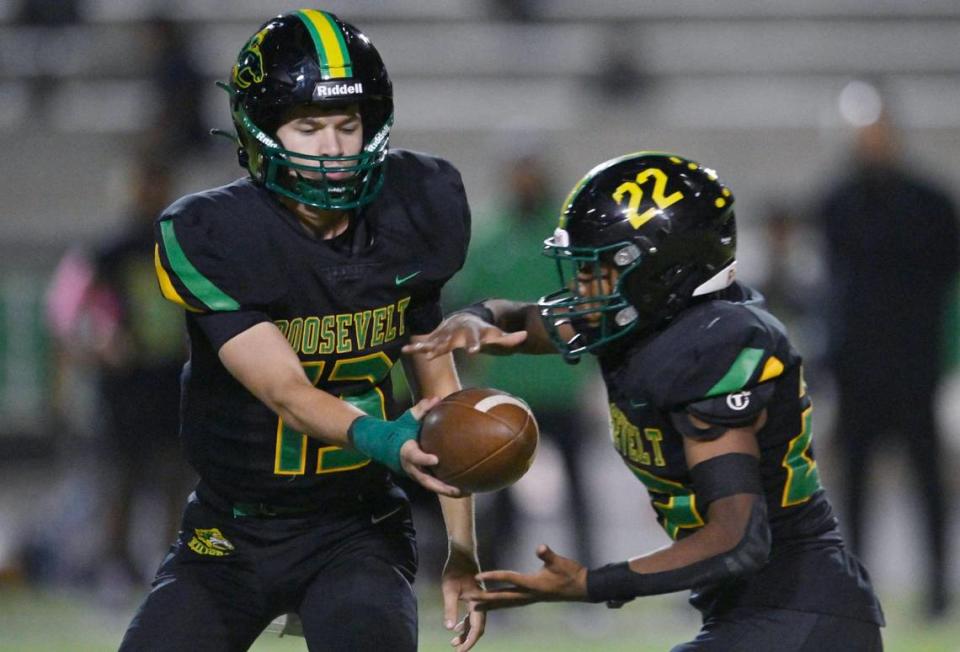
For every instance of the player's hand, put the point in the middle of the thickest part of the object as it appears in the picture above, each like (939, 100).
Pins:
(560, 580)
(394, 444)
(415, 462)
(460, 581)
(465, 331)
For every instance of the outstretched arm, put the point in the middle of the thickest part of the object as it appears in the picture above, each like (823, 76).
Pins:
(493, 326)
(261, 359)
(734, 540)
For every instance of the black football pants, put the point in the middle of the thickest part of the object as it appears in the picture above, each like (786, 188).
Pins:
(347, 575)
(746, 629)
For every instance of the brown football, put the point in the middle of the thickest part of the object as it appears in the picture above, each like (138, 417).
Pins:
(485, 439)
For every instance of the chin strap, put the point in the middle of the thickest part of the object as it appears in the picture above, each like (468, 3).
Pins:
(225, 134)
(242, 156)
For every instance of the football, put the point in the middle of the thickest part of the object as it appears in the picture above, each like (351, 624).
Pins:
(486, 439)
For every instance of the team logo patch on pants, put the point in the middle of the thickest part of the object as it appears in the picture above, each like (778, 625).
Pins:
(210, 542)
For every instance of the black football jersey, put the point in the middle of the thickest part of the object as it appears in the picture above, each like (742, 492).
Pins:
(233, 257)
(725, 361)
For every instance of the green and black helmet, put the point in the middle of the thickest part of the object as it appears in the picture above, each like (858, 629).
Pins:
(664, 223)
(311, 57)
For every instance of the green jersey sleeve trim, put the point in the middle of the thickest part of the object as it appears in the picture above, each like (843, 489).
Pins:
(739, 372)
(200, 286)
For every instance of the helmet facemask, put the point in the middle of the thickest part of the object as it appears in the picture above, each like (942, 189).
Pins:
(304, 177)
(591, 310)
(280, 169)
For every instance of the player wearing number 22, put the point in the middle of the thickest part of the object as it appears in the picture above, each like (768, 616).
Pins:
(708, 408)
(300, 285)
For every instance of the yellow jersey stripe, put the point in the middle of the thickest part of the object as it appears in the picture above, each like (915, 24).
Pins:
(166, 285)
(771, 369)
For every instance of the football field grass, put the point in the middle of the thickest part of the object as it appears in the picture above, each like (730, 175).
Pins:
(58, 621)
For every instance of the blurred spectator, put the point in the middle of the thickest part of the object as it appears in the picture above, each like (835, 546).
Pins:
(52, 16)
(620, 77)
(106, 309)
(178, 125)
(503, 262)
(522, 11)
(892, 250)
(792, 281)
(49, 13)
(779, 285)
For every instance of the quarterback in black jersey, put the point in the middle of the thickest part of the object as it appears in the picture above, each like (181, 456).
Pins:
(300, 285)
(708, 409)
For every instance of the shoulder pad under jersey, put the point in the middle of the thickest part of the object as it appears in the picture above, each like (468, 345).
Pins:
(714, 361)
(212, 253)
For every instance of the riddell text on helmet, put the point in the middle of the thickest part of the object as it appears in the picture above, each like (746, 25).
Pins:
(324, 90)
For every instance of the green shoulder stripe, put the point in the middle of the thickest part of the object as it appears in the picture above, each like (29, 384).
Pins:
(200, 286)
(739, 373)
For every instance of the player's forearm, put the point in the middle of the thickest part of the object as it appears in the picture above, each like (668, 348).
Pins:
(726, 547)
(511, 316)
(747, 530)
(315, 413)
(334, 421)
(735, 540)
(438, 377)
(458, 517)
(261, 359)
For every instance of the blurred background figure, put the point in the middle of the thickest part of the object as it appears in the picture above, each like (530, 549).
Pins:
(179, 125)
(49, 12)
(891, 241)
(621, 79)
(105, 311)
(522, 11)
(782, 275)
(790, 277)
(503, 262)
(50, 16)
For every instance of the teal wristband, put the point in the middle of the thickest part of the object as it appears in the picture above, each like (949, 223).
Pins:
(381, 440)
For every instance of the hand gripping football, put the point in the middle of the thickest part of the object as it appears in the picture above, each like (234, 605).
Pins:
(485, 439)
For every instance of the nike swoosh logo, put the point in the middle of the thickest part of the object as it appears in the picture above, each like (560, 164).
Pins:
(639, 404)
(377, 519)
(400, 280)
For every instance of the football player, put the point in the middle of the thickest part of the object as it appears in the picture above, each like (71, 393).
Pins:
(300, 284)
(708, 410)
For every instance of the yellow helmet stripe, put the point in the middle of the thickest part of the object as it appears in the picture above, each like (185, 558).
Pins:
(331, 48)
